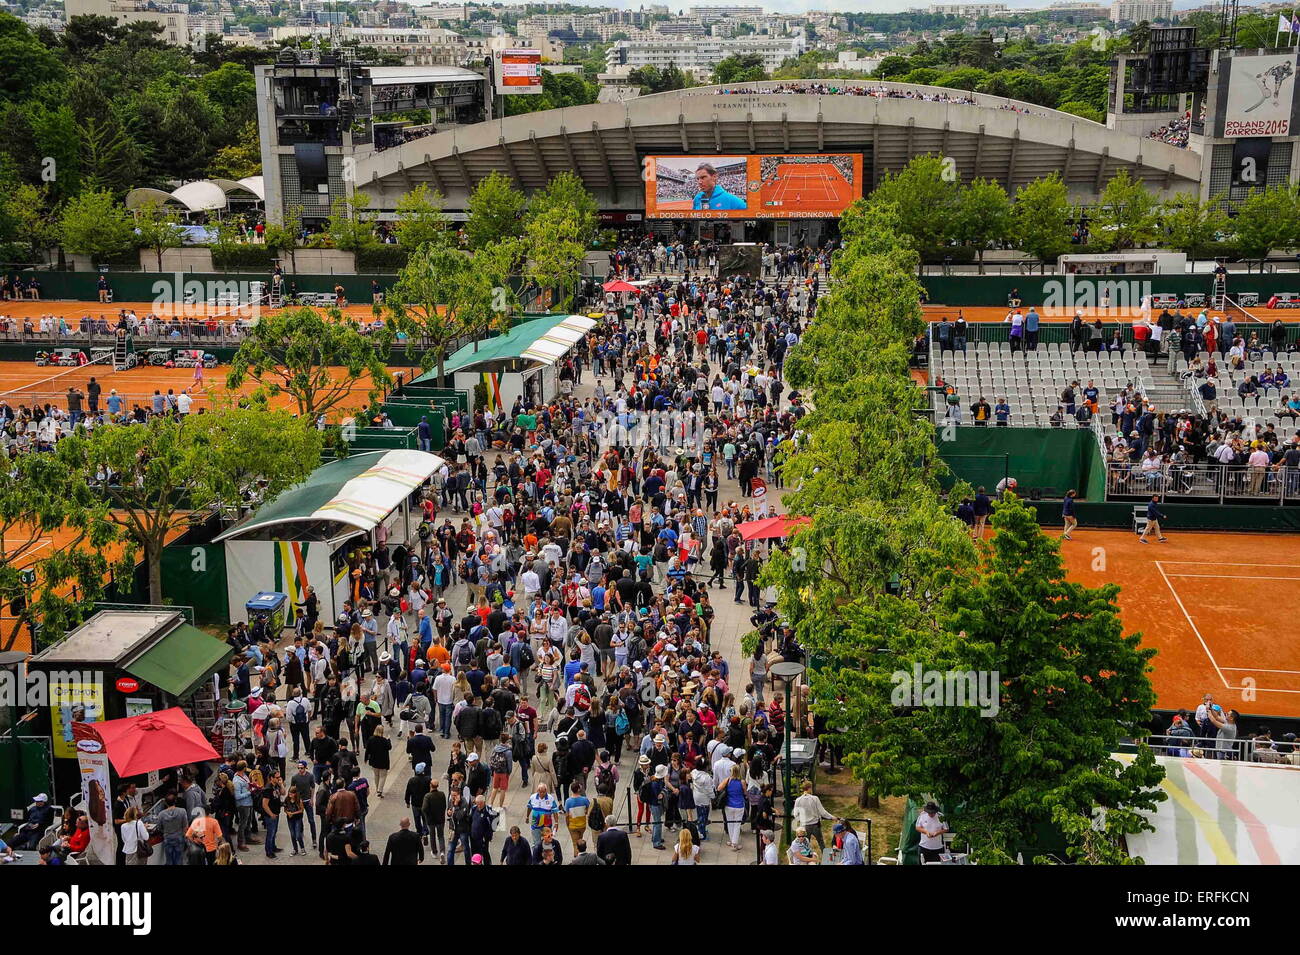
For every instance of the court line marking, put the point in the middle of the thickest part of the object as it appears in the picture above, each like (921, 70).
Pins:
(1233, 577)
(1224, 563)
(1196, 630)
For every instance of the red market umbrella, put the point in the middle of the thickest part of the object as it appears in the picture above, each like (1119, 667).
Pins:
(140, 744)
(771, 527)
(618, 285)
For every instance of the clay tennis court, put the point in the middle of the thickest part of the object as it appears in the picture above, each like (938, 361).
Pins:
(25, 383)
(199, 311)
(807, 187)
(1218, 608)
(47, 544)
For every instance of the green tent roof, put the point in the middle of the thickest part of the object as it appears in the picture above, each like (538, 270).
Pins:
(350, 494)
(539, 339)
(180, 661)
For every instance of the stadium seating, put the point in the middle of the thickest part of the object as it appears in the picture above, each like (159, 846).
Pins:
(1263, 405)
(1032, 382)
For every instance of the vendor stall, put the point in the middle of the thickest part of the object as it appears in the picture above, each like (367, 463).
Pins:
(311, 534)
(123, 663)
(520, 363)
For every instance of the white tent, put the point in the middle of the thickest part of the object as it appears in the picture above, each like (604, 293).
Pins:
(1223, 812)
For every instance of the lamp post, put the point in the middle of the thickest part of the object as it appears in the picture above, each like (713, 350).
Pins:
(788, 673)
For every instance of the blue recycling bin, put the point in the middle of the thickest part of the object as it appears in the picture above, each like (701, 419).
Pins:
(272, 604)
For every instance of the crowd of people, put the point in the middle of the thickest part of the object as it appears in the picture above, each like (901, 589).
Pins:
(549, 628)
(656, 255)
(1176, 132)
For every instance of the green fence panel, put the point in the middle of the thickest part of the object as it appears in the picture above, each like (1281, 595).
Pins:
(406, 413)
(384, 439)
(1050, 460)
(1071, 291)
(195, 574)
(450, 398)
(24, 771)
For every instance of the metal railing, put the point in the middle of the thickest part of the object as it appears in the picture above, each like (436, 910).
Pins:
(1212, 747)
(1205, 482)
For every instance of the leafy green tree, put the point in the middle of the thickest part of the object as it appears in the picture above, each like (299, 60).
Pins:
(239, 159)
(172, 469)
(555, 251)
(441, 295)
(1085, 110)
(568, 193)
(1040, 219)
(27, 210)
(496, 210)
(1266, 220)
(281, 238)
(26, 64)
(739, 68)
(1127, 215)
(1192, 223)
(41, 494)
(349, 227)
(420, 219)
(93, 224)
(159, 229)
(983, 216)
(320, 361)
(925, 194)
(653, 80)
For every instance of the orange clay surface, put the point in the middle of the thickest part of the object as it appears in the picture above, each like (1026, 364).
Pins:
(1212, 605)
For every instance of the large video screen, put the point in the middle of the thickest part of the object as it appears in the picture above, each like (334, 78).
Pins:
(800, 186)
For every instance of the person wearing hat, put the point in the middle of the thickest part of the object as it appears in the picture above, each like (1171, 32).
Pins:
(930, 824)
(40, 816)
(653, 794)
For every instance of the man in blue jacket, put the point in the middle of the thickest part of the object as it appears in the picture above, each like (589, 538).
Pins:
(1154, 516)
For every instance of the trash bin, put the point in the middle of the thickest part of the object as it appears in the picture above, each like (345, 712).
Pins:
(273, 605)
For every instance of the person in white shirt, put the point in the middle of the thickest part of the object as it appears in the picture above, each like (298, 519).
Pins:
(770, 855)
(685, 852)
(931, 826)
(183, 402)
(809, 813)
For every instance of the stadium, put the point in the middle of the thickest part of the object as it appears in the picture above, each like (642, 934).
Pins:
(596, 471)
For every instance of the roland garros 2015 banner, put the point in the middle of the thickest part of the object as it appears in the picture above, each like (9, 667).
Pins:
(1261, 91)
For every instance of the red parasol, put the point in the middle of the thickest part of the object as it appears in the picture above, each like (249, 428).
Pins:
(141, 744)
(618, 285)
(771, 527)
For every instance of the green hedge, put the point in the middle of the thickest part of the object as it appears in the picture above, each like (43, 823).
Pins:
(382, 258)
(244, 255)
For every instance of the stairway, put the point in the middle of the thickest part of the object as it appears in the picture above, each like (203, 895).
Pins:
(1166, 390)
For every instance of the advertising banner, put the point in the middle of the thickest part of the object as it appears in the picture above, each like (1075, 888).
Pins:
(1261, 90)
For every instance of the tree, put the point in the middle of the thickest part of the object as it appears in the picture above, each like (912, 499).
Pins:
(440, 295)
(1040, 219)
(40, 495)
(93, 224)
(925, 195)
(318, 360)
(739, 68)
(27, 211)
(420, 219)
(983, 216)
(1192, 224)
(282, 238)
(1085, 110)
(567, 192)
(651, 79)
(1266, 220)
(496, 211)
(348, 227)
(1127, 215)
(171, 470)
(239, 159)
(159, 229)
(555, 253)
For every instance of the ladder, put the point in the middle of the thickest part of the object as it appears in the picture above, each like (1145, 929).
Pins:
(1220, 293)
(121, 359)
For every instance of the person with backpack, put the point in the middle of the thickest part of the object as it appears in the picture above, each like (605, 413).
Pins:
(467, 724)
(501, 761)
(606, 775)
(299, 714)
(521, 744)
(458, 825)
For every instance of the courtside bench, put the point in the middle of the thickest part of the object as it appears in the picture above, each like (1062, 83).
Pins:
(1284, 300)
